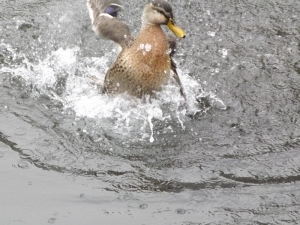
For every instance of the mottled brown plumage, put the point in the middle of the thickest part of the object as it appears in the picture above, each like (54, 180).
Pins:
(144, 64)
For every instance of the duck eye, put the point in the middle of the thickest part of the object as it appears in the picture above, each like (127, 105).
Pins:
(160, 11)
(164, 13)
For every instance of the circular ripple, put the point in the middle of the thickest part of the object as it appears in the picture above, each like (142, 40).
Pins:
(23, 165)
(52, 220)
(20, 131)
(26, 154)
(48, 158)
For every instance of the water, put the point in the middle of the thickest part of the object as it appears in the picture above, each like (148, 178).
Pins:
(231, 157)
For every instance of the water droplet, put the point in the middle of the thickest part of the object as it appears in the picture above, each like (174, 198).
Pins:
(211, 33)
(20, 131)
(180, 211)
(151, 127)
(81, 195)
(1, 154)
(148, 47)
(224, 52)
(151, 139)
(141, 46)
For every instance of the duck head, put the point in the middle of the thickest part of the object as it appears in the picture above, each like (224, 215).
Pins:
(160, 12)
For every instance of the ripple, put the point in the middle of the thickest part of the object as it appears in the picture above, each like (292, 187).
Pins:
(43, 144)
(20, 131)
(26, 154)
(48, 158)
(23, 165)
(247, 69)
(52, 220)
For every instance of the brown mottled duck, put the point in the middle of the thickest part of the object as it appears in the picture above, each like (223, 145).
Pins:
(144, 64)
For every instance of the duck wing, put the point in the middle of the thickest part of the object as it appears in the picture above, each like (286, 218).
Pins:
(103, 14)
(172, 45)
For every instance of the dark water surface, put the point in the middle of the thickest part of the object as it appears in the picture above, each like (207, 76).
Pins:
(70, 155)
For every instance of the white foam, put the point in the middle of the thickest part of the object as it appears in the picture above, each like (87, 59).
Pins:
(121, 114)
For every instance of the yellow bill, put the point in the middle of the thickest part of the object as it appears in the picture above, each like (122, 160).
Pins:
(176, 29)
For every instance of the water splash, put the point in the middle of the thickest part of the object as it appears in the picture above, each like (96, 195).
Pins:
(76, 83)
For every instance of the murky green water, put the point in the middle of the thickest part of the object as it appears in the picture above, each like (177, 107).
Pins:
(70, 155)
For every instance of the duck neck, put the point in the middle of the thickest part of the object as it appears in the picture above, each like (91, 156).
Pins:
(152, 32)
(151, 27)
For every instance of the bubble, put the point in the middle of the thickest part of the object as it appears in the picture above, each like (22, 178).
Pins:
(20, 131)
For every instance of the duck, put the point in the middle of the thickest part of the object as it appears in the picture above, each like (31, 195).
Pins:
(145, 63)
